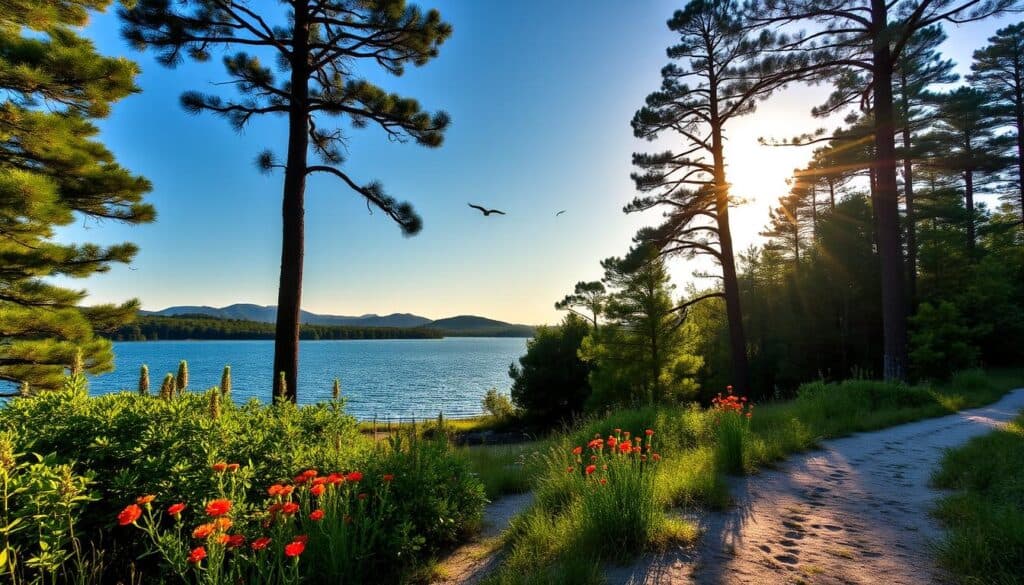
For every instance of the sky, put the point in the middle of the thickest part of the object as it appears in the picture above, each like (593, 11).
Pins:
(541, 94)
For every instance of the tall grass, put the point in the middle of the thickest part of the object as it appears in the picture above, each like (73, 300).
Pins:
(985, 543)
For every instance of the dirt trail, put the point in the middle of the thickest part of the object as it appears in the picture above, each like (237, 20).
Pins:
(855, 511)
(474, 560)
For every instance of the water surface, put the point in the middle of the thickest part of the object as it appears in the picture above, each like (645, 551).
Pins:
(393, 378)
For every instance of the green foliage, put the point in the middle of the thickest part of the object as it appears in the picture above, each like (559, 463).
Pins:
(130, 445)
(55, 84)
(985, 519)
(144, 380)
(225, 382)
(940, 341)
(643, 354)
(181, 380)
(550, 383)
(498, 405)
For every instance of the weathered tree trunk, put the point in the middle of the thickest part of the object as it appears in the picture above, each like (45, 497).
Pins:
(894, 308)
(289, 292)
(1018, 110)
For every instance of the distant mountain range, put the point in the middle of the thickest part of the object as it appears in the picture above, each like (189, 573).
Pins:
(463, 325)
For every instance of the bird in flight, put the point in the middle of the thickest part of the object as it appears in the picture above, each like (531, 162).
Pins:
(560, 213)
(486, 211)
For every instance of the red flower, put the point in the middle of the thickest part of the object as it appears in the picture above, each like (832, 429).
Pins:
(260, 543)
(203, 530)
(612, 441)
(309, 473)
(218, 507)
(233, 467)
(175, 509)
(335, 478)
(320, 481)
(275, 490)
(219, 466)
(129, 515)
(648, 432)
(569, 469)
(316, 515)
(361, 496)
(197, 555)
(317, 490)
(388, 477)
(301, 538)
(591, 469)
(236, 541)
(604, 481)
(294, 548)
(618, 431)
(289, 508)
(577, 450)
(656, 457)
(354, 476)
(625, 447)
(143, 500)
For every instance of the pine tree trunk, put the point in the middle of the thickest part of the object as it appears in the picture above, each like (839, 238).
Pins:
(972, 236)
(831, 195)
(737, 337)
(894, 308)
(289, 292)
(908, 197)
(1019, 122)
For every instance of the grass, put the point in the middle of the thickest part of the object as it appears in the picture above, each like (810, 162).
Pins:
(560, 539)
(455, 425)
(503, 469)
(985, 518)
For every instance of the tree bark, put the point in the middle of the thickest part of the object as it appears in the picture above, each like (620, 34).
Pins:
(894, 308)
(908, 197)
(289, 292)
(1018, 111)
(972, 235)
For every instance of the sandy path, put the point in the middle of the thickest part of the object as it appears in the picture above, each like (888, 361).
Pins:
(855, 511)
(474, 560)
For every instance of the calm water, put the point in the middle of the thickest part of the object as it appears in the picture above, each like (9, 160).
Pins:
(383, 378)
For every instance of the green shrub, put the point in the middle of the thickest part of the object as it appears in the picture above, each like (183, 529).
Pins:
(731, 416)
(498, 406)
(940, 342)
(550, 383)
(133, 445)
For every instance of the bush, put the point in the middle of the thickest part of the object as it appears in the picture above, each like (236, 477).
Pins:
(550, 383)
(134, 445)
(498, 406)
(940, 342)
(731, 415)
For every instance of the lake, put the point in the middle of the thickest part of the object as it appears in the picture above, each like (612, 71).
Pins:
(395, 378)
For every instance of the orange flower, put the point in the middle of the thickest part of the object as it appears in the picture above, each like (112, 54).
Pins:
(197, 555)
(612, 441)
(223, 539)
(289, 508)
(294, 548)
(317, 490)
(175, 509)
(309, 473)
(618, 431)
(260, 543)
(219, 466)
(335, 478)
(236, 541)
(320, 481)
(604, 481)
(233, 467)
(218, 507)
(129, 515)
(648, 432)
(316, 515)
(388, 477)
(143, 500)
(287, 490)
(223, 523)
(625, 447)
(203, 530)
(354, 476)
(275, 490)
(577, 450)
(590, 469)
(656, 457)
(569, 469)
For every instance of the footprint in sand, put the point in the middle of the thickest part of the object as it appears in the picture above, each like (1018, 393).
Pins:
(787, 559)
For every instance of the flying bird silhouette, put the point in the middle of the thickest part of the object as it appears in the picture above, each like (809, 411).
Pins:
(486, 211)
(560, 213)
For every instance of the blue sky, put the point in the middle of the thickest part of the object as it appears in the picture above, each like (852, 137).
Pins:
(541, 94)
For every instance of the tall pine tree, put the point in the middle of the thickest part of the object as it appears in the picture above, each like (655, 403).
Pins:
(998, 70)
(52, 171)
(718, 73)
(317, 48)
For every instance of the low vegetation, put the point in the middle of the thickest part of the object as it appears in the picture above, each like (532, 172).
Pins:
(985, 518)
(70, 464)
(697, 448)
